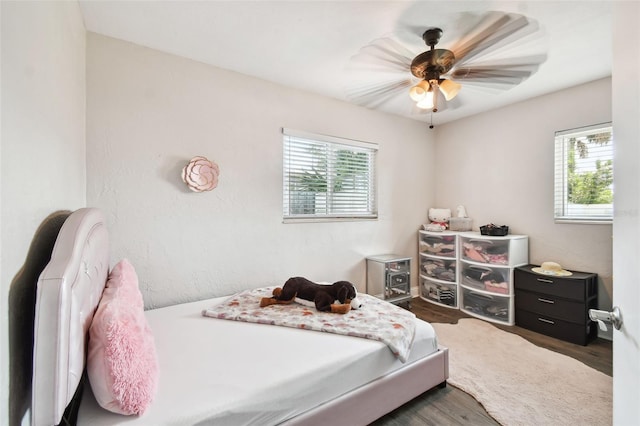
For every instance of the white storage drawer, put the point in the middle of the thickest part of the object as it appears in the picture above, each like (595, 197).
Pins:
(438, 292)
(437, 244)
(439, 269)
(491, 307)
(510, 250)
(484, 277)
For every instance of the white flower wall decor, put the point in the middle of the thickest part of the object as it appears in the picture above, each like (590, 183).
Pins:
(200, 174)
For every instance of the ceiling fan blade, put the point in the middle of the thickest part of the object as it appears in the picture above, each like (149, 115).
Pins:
(532, 62)
(385, 53)
(507, 72)
(376, 94)
(378, 72)
(494, 30)
(509, 77)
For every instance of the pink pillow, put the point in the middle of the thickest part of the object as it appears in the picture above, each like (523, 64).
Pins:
(122, 363)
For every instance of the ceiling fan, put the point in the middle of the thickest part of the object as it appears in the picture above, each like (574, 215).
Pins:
(480, 57)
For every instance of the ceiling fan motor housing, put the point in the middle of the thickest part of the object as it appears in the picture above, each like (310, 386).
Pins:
(435, 62)
(431, 64)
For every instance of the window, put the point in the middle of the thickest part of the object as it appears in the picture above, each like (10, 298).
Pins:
(326, 177)
(584, 174)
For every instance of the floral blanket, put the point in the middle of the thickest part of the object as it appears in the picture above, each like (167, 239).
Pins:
(376, 320)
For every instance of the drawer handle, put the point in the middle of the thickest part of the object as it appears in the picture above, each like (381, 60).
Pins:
(543, 280)
(540, 299)
(546, 320)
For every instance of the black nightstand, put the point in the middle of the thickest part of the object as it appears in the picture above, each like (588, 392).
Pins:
(556, 306)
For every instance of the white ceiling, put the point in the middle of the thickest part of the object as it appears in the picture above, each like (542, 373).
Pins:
(309, 44)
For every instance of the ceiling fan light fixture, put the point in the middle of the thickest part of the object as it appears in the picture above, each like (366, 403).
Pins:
(419, 91)
(449, 88)
(428, 102)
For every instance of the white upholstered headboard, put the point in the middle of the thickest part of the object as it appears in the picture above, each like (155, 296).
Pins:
(68, 293)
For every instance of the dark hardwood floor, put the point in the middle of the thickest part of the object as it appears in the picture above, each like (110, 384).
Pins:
(451, 406)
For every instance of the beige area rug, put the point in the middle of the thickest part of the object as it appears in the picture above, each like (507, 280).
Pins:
(519, 383)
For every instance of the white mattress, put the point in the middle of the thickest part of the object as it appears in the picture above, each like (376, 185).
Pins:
(222, 372)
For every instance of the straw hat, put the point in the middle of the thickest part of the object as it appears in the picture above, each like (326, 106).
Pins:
(551, 268)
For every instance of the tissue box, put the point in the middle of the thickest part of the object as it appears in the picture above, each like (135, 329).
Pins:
(460, 224)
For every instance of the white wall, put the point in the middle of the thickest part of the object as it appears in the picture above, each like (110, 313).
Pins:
(43, 135)
(149, 112)
(500, 166)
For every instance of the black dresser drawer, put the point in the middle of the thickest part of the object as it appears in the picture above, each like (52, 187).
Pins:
(551, 306)
(556, 306)
(579, 334)
(577, 287)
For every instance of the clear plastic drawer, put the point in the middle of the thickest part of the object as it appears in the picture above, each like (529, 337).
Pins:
(494, 308)
(439, 269)
(480, 277)
(479, 250)
(438, 245)
(444, 294)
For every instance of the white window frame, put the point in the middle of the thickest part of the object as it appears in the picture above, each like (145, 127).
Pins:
(564, 210)
(326, 205)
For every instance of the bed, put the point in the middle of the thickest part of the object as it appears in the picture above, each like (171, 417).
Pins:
(213, 371)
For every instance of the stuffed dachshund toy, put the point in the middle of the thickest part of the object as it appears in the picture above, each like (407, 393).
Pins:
(339, 297)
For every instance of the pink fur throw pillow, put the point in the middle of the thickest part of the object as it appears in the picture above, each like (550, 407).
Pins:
(122, 364)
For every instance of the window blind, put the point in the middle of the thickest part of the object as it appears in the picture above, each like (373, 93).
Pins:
(583, 188)
(327, 177)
